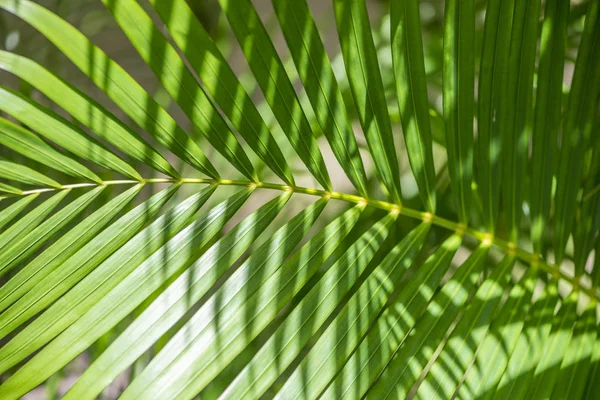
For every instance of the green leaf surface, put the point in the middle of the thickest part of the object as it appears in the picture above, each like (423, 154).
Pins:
(275, 84)
(445, 373)
(178, 81)
(314, 69)
(255, 291)
(58, 130)
(492, 80)
(19, 249)
(233, 299)
(547, 115)
(210, 267)
(411, 91)
(221, 82)
(60, 251)
(72, 271)
(570, 383)
(20, 173)
(9, 213)
(85, 110)
(458, 97)
(517, 111)
(362, 69)
(577, 127)
(107, 289)
(31, 146)
(596, 270)
(412, 356)
(268, 301)
(340, 338)
(378, 347)
(10, 189)
(548, 368)
(113, 80)
(31, 220)
(524, 350)
(494, 352)
(588, 221)
(312, 311)
(593, 383)
(158, 378)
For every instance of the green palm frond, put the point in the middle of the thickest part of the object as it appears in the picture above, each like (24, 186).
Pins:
(286, 231)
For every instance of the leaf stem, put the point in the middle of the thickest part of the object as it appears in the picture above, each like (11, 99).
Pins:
(510, 248)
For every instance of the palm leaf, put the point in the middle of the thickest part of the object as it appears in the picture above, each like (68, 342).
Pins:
(180, 297)
(21, 173)
(315, 70)
(577, 128)
(547, 115)
(28, 144)
(59, 131)
(179, 82)
(85, 110)
(364, 77)
(238, 286)
(490, 113)
(60, 251)
(471, 328)
(458, 92)
(21, 247)
(114, 81)
(6, 188)
(275, 84)
(411, 88)
(221, 82)
(10, 212)
(490, 363)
